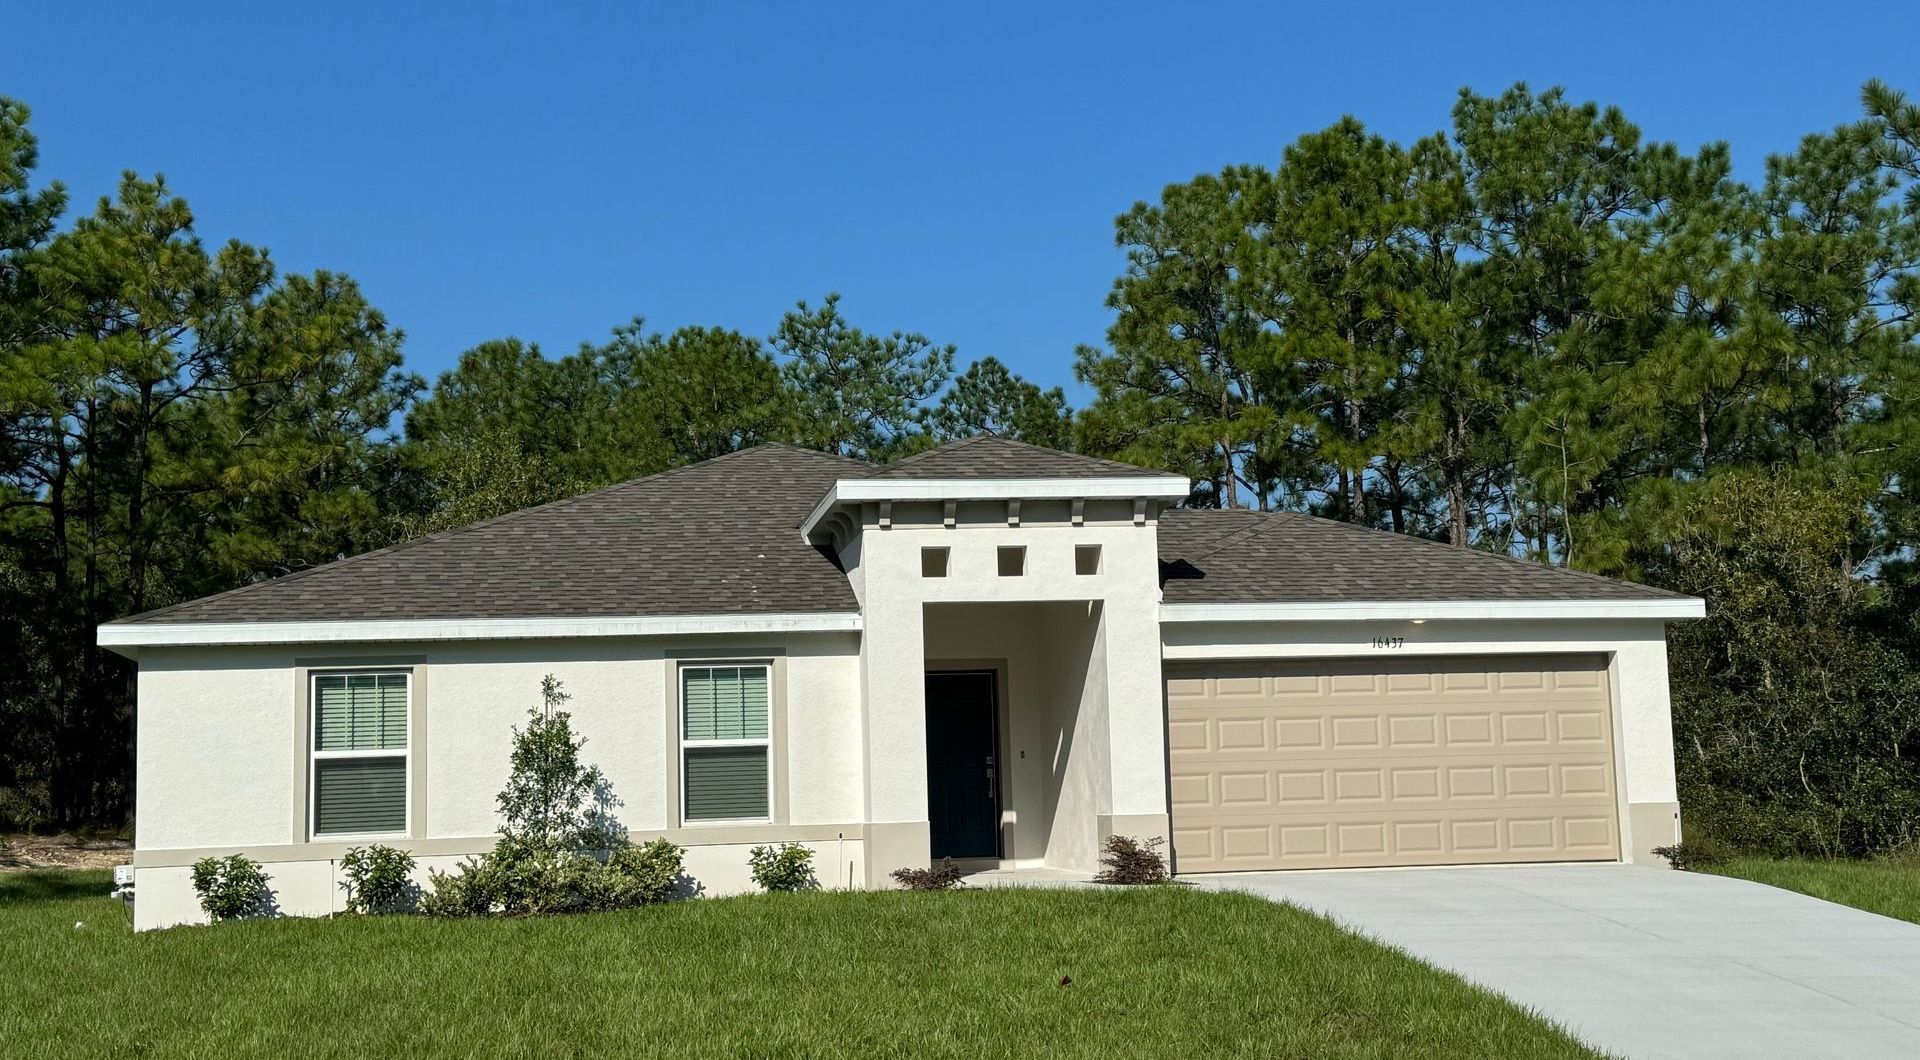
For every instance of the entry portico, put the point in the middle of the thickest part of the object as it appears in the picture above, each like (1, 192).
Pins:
(1049, 583)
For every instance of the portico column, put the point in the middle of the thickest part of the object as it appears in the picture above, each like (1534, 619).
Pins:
(1136, 723)
(893, 687)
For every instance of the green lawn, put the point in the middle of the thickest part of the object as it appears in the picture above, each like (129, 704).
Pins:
(1888, 887)
(1162, 971)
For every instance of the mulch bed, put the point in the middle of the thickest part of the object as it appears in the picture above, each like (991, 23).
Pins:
(19, 852)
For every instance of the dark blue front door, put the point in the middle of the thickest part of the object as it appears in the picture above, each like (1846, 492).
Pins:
(963, 805)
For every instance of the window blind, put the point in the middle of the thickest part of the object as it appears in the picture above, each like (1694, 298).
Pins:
(726, 783)
(360, 795)
(360, 712)
(725, 703)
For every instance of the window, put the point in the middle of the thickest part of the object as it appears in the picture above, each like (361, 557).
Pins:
(1013, 560)
(933, 563)
(725, 748)
(360, 754)
(1086, 559)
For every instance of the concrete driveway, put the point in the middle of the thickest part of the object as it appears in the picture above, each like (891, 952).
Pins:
(1639, 961)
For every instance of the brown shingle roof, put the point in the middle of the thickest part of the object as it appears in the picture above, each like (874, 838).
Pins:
(721, 537)
(987, 456)
(1211, 556)
(717, 537)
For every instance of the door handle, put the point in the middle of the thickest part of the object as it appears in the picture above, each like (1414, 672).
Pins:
(993, 790)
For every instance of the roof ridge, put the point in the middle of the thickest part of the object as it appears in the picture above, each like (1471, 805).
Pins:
(946, 448)
(791, 448)
(943, 447)
(1252, 527)
(1109, 461)
(457, 531)
(1452, 549)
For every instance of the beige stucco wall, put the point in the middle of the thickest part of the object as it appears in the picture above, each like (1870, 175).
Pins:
(1080, 713)
(221, 766)
(1636, 650)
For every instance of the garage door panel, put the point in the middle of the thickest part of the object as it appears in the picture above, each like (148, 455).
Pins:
(1524, 728)
(1472, 782)
(1237, 734)
(1401, 685)
(1356, 762)
(1413, 731)
(1585, 780)
(1368, 839)
(1592, 833)
(1246, 789)
(1247, 841)
(1527, 781)
(1357, 731)
(1302, 786)
(1358, 785)
(1581, 727)
(1416, 783)
(1299, 734)
(1578, 679)
(1533, 833)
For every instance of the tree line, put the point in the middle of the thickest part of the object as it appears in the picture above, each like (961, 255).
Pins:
(1534, 332)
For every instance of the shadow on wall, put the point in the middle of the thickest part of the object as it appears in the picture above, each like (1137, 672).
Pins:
(1076, 718)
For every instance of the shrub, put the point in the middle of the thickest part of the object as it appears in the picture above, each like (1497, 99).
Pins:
(633, 876)
(514, 880)
(379, 880)
(553, 800)
(471, 889)
(232, 888)
(556, 828)
(786, 867)
(1128, 860)
(648, 874)
(1685, 856)
(941, 877)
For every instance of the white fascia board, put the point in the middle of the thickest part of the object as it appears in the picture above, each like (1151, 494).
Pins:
(856, 490)
(1424, 610)
(166, 634)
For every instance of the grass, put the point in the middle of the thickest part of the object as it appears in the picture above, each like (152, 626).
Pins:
(1161, 971)
(1890, 887)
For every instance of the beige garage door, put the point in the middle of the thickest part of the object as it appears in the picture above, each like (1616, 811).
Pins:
(1326, 763)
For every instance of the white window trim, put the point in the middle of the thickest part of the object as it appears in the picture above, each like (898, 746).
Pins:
(680, 710)
(314, 754)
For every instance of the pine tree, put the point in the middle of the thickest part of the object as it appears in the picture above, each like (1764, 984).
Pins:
(1178, 389)
(856, 394)
(989, 399)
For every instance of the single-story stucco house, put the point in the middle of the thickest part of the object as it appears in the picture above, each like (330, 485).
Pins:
(989, 651)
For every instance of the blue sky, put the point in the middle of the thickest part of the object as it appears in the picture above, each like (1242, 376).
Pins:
(508, 170)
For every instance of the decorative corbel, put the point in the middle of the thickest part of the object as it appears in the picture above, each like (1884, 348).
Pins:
(947, 517)
(1079, 511)
(1013, 512)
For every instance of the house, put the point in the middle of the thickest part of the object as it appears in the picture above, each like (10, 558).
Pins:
(989, 651)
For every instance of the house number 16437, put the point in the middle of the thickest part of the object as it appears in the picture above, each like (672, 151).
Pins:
(1389, 642)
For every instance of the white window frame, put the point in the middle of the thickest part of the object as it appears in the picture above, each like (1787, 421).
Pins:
(315, 755)
(766, 742)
